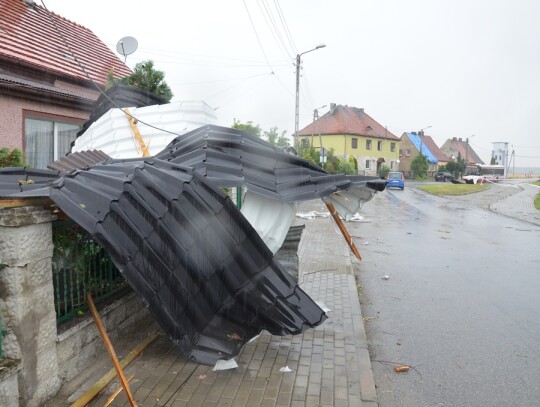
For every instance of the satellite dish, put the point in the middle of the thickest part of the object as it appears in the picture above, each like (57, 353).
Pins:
(126, 46)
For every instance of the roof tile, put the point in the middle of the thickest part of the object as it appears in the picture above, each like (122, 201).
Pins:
(348, 120)
(28, 35)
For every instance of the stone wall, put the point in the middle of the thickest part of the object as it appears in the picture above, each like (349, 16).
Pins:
(78, 347)
(9, 385)
(27, 300)
(39, 358)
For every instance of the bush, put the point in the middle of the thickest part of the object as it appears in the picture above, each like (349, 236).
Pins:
(11, 158)
(383, 172)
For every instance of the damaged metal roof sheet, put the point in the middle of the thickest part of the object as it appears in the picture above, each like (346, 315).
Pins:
(205, 274)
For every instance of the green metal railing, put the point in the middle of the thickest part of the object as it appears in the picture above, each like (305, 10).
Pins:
(79, 266)
(2, 331)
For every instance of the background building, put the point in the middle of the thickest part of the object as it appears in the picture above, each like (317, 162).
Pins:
(45, 96)
(351, 132)
(456, 146)
(411, 145)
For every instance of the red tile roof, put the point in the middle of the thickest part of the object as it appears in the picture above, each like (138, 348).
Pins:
(435, 150)
(27, 35)
(347, 120)
(460, 146)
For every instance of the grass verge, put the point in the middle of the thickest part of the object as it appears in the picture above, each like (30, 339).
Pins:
(453, 189)
(537, 202)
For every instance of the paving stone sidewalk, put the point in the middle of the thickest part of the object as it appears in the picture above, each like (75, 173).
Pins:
(330, 364)
(520, 205)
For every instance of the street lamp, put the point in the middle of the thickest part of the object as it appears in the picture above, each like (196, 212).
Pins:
(421, 134)
(297, 113)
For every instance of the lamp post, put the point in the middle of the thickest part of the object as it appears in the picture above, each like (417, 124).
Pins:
(421, 134)
(297, 113)
(467, 151)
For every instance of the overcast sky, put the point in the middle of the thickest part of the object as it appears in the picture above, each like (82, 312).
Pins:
(463, 67)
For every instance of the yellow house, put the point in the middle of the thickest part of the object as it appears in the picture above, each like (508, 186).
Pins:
(350, 132)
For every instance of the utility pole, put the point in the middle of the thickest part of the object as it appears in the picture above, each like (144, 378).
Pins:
(297, 107)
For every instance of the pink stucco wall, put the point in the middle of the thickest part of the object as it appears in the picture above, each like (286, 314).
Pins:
(12, 117)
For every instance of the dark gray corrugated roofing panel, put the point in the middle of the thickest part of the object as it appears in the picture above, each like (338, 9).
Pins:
(203, 271)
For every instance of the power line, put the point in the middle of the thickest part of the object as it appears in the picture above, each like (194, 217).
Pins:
(257, 35)
(233, 86)
(281, 42)
(284, 23)
(280, 45)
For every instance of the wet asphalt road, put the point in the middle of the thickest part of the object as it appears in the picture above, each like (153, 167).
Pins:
(461, 305)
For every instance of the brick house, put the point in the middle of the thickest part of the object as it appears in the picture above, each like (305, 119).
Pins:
(45, 95)
(411, 144)
(457, 146)
(351, 132)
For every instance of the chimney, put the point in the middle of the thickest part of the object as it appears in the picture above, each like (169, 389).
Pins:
(460, 139)
(29, 3)
(332, 107)
(454, 139)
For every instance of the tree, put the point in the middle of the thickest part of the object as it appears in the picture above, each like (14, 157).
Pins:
(11, 158)
(383, 172)
(442, 168)
(452, 167)
(248, 127)
(335, 165)
(419, 166)
(457, 168)
(147, 78)
(309, 153)
(276, 139)
(494, 161)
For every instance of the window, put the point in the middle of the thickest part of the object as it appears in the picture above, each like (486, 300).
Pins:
(393, 148)
(305, 142)
(354, 142)
(379, 145)
(368, 144)
(400, 152)
(47, 140)
(368, 164)
(408, 153)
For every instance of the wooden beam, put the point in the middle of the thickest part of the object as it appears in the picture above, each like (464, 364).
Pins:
(97, 387)
(137, 134)
(344, 230)
(110, 350)
(14, 203)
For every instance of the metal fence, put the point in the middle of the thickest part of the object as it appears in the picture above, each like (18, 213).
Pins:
(79, 266)
(2, 333)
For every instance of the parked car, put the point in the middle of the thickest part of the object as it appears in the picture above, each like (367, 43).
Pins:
(444, 177)
(395, 179)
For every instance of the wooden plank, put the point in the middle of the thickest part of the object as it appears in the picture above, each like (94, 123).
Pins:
(97, 387)
(15, 203)
(110, 350)
(344, 230)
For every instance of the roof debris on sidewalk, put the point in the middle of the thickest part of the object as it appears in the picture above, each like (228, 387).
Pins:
(201, 267)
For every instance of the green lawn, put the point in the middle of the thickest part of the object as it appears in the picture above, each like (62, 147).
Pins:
(453, 189)
(537, 199)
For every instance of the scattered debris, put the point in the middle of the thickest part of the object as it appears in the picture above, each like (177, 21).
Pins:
(234, 337)
(385, 277)
(285, 369)
(222, 364)
(202, 377)
(367, 319)
(312, 215)
(402, 368)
